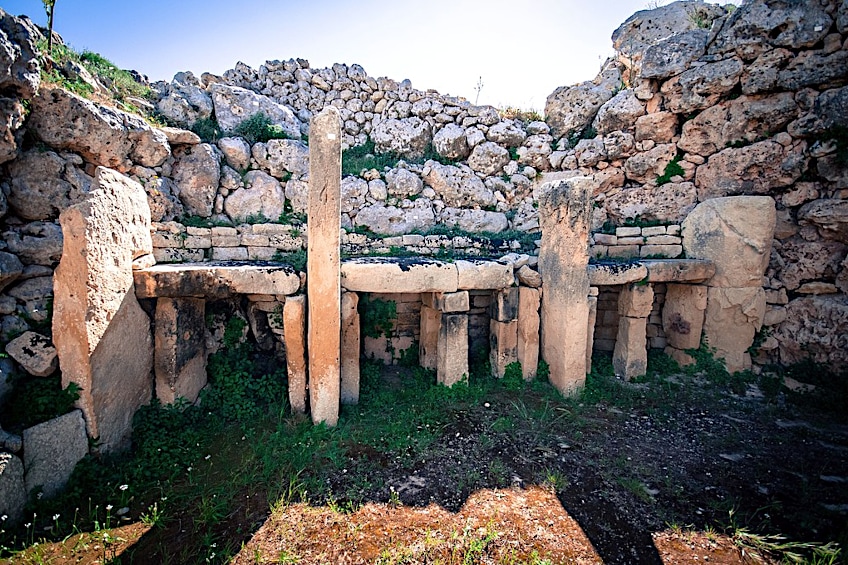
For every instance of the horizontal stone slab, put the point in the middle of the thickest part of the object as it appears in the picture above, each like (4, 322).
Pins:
(484, 275)
(398, 274)
(215, 280)
(613, 273)
(679, 270)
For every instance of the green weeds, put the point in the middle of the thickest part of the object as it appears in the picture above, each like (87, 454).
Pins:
(259, 128)
(671, 170)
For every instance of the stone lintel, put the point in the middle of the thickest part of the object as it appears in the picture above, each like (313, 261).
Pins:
(483, 275)
(612, 273)
(679, 270)
(398, 275)
(215, 281)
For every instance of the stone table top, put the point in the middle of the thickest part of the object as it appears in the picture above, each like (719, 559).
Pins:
(216, 279)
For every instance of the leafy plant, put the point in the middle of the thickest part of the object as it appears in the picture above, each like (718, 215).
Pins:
(119, 81)
(259, 127)
(36, 400)
(671, 170)
(377, 316)
(207, 129)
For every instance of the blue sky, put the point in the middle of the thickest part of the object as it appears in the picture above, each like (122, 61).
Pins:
(521, 49)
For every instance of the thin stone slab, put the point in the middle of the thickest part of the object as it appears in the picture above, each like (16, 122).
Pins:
(350, 349)
(294, 337)
(398, 275)
(215, 280)
(13, 496)
(529, 300)
(503, 346)
(630, 356)
(452, 350)
(52, 450)
(590, 330)
(679, 270)
(612, 273)
(179, 355)
(430, 320)
(483, 275)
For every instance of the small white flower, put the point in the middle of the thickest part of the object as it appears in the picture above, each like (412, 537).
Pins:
(28, 524)
(3, 518)
(208, 457)
(124, 487)
(40, 495)
(55, 517)
(189, 469)
(108, 507)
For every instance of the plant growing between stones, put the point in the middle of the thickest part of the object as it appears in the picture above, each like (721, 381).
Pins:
(671, 170)
(259, 127)
(377, 316)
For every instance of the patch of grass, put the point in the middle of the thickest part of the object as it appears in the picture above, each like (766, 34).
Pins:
(519, 115)
(259, 127)
(671, 170)
(37, 400)
(120, 82)
(365, 157)
(297, 259)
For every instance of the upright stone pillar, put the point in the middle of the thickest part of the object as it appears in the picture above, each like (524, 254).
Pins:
(503, 330)
(452, 357)
(429, 337)
(590, 326)
(350, 349)
(565, 213)
(630, 356)
(683, 319)
(529, 300)
(294, 336)
(322, 265)
(179, 358)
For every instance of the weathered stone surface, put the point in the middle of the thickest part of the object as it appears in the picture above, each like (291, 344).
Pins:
(407, 137)
(488, 158)
(506, 132)
(683, 315)
(102, 135)
(678, 270)
(233, 105)
(590, 327)
(669, 202)
(287, 156)
(619, 113)
(452, 350)
(816, 328)
(393, 275)
(503, 345)
(529, 301)
(179, 357)
(635, 300)
(565, 216)
(322, 267)
(19, 67)
(483, 275)
(12, 114)
(702, 86)
(659, 127)
(745, 119)
(755, 169)
(390, 220)
(36, 243)
(673, 55)
(403, 182)
(648, 165)
(38, 188)
(570, 109)
(214, 280)
(829, 216)
(183, 100)
(430, 321)
(177, 136)
(13, 494)
(504, 305)
(94, 323)
(458, 185)
(606, 274)
(450, 142)
(236, 151)
(801, 261)
(618, 145)
(831, 167)
(735, 233)
(630, 356)
(475, 221)
(529, 277)
(349, 374)
(733, 317)
(536, 152)
(448, 302)
(162, 199)
(812, 68)
(261, 195)
(10, 269)
(35, 354)
(196, 173)
(294, 331)
(829, 109)
(52, 451)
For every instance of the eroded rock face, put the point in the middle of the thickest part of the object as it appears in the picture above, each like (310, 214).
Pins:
(804, 261)
(673, 55)
(733, 317)
(619, 113)
(830, 216)
(19, 68)
(196, 173)
(755, 169)
(390, 220)
(36, 243)
(475, 221)
(35, 353)
(11, 120)
(287, 156)
(53, 449)
(507, 132)
(13, 495)
(458, 185)
(183, 100)
(10, 269)
(647, 166)
(403, 182)
(162, 198)
(38, 189)
(570, 109)
(236, 151)
(816, 327)
(93, 324)
(406, 137)
(233, 105)
(670, 202)
(261, 195)
(488, 158)
(702, 86)
(830, 109)
(450, 142)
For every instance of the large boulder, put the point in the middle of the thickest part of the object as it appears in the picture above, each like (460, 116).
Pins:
(736, 234)
(746, 119)
(830, 216)
(233, 105)
(196, 172)
(475, 221)
(756, 169)
(799, 261)
(458, 185)
(668, 203)
(53, 449)
(648, 165)
(36, 243)
(35, 354)
(13, 495)
(408, 137)
(507, 132)
(570, 109)
(488, 158)
(287, 157)
(12, 114)
(183, 100)
(535, 152)
(262, 197)
(403, 182)
(390, 220)
(830, 109)
(702, 86)
(450, 142)
(10, 269)
(733, 318)
(815, 328)
(813, 68)
(236, 151)
(93, 324)
(102, 135)
(39, 189)
(19, 68)
(619, 113)
(163, 199)
(673, 55)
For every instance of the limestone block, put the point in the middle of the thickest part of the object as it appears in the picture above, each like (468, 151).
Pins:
(816, 328)
(429, 337)
(529, 301)
(294, 331)
(350, 348)
(216, 281)
(13, 494)
(630, 356)
(678, 270)
(503, 345)
(529, 277)
(565, 214)
(229, 254)
(735, 233)
(480, 274)
(683, 359)
(608, 274)
(683, 315)
(448, 302)
(670, 251)
(35, 353)
(452, 349)
(94, 324)
(324, 210)
(590, 331)
(504, 306)
(395, 275)
(733, 317)
(636, 300)
(51, 450)
(179, 359)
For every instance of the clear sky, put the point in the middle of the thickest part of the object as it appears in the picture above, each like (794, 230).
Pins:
(522, 49)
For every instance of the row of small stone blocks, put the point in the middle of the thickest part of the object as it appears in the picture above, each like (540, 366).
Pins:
(606, 326)
(663, 241)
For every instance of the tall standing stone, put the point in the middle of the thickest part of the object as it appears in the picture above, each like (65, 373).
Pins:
(350, 348)
(101, 334)
(590, 326)
(565, 214)
(294, 335)
(431, 319)
(528, 331)
(452, 356)
(179, 359)
(322, 267)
